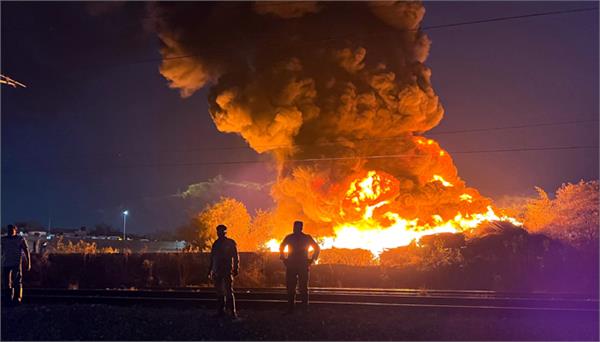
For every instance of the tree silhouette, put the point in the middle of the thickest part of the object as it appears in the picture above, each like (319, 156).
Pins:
(571, 217)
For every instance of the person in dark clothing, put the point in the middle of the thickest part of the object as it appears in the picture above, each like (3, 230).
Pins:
(298, 263)
(224, 265)
(14, 247)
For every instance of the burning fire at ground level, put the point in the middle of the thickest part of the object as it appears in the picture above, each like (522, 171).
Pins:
(369, 233)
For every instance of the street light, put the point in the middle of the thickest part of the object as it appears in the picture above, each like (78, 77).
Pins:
(125, 213)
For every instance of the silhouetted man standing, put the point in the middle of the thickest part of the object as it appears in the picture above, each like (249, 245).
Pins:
(297, 263)
(13, 248)
(224, 265)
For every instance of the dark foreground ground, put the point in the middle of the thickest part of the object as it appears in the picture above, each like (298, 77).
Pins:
(106, 322)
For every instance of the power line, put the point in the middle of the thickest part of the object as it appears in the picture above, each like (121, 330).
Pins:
(424, 28)
(403, 137)
(480, 21)
(312, 160)
(545, 124)
(385, 156)
(512, 17)
(375, 34)
(335, 142)
(557, 148)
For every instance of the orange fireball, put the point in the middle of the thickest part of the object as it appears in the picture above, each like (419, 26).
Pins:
(368, 220)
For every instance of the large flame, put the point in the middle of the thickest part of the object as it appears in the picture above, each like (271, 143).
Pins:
(378, 227)
(377, 210)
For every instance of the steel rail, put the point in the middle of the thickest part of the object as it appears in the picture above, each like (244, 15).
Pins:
(405, 291)
(491, 295)
(271, 298)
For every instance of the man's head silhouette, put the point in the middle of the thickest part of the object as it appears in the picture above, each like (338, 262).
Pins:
(221, 230)
(298, 227)
(12, 230)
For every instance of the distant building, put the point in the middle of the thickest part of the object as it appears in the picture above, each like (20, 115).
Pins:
(34, 233)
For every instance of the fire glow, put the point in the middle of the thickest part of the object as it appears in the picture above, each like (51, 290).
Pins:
(369, 232)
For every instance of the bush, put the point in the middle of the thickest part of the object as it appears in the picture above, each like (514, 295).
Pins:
(506, 258)
(345, 256)
(572, 217)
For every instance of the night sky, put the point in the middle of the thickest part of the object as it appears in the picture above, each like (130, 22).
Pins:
(97, 130)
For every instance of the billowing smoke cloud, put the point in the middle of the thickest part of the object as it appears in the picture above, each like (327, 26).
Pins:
(319, 80)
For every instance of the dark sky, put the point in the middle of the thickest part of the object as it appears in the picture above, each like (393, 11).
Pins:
(98, 130)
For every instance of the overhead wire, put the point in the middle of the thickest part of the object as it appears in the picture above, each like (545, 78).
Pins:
(102, 168)
(339, 141)
(423, 28)
(328, 39)
(122, 154)
(500, 128)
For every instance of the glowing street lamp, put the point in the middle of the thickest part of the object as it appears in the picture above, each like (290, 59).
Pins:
(125, 213)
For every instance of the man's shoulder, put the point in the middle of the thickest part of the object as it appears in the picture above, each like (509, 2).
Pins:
(230, 241)
(13, 238)
(307, 236)
(216, 243)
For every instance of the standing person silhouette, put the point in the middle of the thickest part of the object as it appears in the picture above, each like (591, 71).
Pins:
(298, 263)
(14, 247)
(224, 265)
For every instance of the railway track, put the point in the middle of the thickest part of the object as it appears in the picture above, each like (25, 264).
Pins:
(276, 297)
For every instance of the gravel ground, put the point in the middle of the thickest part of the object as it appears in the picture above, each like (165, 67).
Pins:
(106, 322)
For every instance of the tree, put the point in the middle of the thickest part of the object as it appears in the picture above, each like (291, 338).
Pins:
(539, 212)
(571, 217)
(195, 233)
(233, 214)
(200, 230)
(261, 229)
(249, 233)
